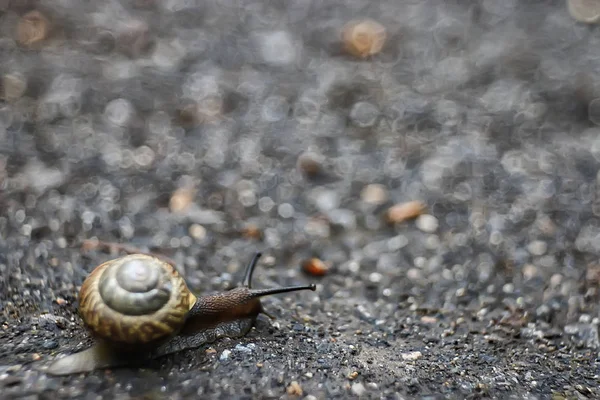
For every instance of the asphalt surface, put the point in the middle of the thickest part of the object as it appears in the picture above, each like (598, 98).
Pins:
(207, 131)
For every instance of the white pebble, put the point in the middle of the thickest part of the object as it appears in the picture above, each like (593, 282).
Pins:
(277, 48)
(285, 210)
(427, 223)
(358, 389)
(243, 349)
(412, 356)
(119, 112)
(326, 200)
(375, 277)
(537, 247)
(374, 194)
(225, 355)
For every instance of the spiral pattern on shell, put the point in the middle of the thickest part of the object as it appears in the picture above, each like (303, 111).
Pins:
(135, 299)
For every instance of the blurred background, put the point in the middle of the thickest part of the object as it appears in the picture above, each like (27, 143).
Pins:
(431, 165)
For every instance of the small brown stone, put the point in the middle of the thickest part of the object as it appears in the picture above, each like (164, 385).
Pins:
(188, 115)
(363, 38)
(134, 39)
(32, 29)
(252, 231)
(294, 389)
(13, 86)
(181, 199)
(405, 211)
(310, 164)
(353, 375)
(315, 267)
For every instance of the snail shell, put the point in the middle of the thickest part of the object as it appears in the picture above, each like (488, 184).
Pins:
(135, 300)
(141, 308)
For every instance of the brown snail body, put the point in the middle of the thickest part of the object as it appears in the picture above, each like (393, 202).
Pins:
(138, 308)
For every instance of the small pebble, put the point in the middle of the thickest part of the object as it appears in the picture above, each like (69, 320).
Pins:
(363, 38)
(181, 199)
(119, 112)
(364, 115)
(315, 267)
(404, 211)
(285, 210)
(277, 48)
(134, 38)
(244, 349)
(326, 200)
(13, 86)
(375, 277)
(358, 389)
(294, 389)
(50, 344)
(375, 194)
(587, 11)
(412, 356)
(529, 271)
(251, 231)
(310, 163)
(427, 223)
(353, 375)
(33, 28)
(197, 231)
(537, 247)
(225, 355)
(428, 320)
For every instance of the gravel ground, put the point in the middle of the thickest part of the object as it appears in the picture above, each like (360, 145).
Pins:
(206, 131)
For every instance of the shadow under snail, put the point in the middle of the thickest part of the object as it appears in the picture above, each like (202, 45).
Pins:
(138, 307)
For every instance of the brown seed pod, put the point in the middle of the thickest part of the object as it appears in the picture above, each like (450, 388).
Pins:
(363, 38)
(138, 308)
(404, 211)
(33, 28)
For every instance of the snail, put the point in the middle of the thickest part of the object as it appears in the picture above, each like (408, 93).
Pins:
(138, 307)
